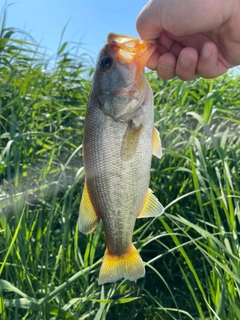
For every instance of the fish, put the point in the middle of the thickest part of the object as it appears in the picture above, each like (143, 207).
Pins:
(118, 142)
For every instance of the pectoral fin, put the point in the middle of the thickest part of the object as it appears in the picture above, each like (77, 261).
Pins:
(88, 219)
(152, 207)
(156, 143)
(130, 141)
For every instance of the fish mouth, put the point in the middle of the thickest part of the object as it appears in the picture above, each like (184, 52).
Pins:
(127, 49)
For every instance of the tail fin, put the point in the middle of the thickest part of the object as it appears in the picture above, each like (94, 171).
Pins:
(129, 266)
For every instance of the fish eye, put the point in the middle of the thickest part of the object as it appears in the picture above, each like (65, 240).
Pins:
(106, 63)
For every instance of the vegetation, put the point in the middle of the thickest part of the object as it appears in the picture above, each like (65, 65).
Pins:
(47, 269)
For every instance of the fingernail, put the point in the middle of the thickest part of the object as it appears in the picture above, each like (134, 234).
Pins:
(185, 61)
(166, 67)
(206, 52)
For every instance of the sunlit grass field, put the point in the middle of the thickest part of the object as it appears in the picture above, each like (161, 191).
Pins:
(48, 271)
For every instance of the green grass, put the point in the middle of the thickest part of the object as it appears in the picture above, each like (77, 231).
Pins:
(48, 270)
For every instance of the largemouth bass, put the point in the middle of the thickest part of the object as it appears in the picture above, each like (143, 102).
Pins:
(119, 139)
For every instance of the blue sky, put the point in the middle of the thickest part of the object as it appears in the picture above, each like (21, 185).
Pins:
(89, 21)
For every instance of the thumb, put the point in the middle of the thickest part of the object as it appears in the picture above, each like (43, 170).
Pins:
(145, 24)
(182, 17)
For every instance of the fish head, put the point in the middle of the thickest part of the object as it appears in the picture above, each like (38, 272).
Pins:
(120, 83)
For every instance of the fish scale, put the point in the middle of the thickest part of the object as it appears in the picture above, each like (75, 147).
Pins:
(116, 176)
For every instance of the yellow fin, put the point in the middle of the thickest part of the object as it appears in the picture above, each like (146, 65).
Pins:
(156, 143)
(130, 141)
(88, 219)
(152, 207)
(129, 266)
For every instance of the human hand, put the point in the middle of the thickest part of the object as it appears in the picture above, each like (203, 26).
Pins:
(195, 37)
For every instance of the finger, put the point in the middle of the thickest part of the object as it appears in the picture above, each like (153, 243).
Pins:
(165, 41)
(209, 66)
(186, 64)
(166, 66)
(153, 61)
(175, 49)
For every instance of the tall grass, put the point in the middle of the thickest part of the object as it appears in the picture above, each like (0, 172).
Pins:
(48, 270)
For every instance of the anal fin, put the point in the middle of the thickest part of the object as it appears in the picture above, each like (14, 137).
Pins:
(156, 143)
(88, 219)
(152, 207)
(129, 266)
